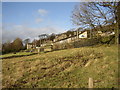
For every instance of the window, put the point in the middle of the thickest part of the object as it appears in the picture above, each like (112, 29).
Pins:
(82, 36)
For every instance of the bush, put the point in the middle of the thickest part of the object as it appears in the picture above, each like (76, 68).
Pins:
(95, 41)
(65, 45)
(56, 46)
(86, 42)
(108, 39)
(68, 45)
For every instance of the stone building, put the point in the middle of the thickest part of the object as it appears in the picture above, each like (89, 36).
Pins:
(31, 46)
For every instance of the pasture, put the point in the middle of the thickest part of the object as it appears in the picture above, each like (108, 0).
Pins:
(70, 68)
(17, 54)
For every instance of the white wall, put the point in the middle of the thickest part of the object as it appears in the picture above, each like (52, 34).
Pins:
(83, 35)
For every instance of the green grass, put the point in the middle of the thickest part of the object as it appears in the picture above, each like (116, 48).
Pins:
(17, 54)
(70, 68)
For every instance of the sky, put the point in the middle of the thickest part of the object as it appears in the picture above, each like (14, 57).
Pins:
(30, 19)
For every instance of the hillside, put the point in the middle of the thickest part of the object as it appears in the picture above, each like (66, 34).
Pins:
(68, 68)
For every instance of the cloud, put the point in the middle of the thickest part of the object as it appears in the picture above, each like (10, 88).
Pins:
(39, 20)
(23, 32)
(42, 12)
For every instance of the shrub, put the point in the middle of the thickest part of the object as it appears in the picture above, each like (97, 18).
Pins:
(86, 42)
(64, 45)
(56, 46)
(108, 40)
(68, 45)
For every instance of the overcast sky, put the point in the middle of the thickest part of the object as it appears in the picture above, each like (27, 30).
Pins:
(30, 19)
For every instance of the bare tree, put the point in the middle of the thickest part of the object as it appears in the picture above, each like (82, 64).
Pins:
(52, 37)
(26, 41)
(118, 20)
(42, 38)
(93, 14)
(115, 9)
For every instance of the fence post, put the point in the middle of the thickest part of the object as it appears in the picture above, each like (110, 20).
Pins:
(90, 83)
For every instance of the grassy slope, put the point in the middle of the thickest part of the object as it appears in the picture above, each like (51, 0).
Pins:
(17, 54)
(62, 69)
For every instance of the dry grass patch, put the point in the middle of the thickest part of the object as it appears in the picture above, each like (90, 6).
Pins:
(62, 69)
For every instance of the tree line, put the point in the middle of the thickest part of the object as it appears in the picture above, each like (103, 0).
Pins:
(14, 46)
(19, 44)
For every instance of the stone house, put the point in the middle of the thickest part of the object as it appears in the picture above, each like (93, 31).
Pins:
(31, 46)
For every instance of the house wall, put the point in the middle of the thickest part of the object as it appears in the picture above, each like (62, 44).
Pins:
(69, 40)
(30, 46)
(83, 35)
(43, 44)
(65, 41)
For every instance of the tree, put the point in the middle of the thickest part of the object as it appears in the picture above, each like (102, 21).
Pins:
(93, 14)
(118, 20)
(115, 8)
(14, 46)
(7, 47)
(42, 38)
(37, 43)
(26, 41)
(68, 33)
(34, 42)
(52, 37)
(17, 44)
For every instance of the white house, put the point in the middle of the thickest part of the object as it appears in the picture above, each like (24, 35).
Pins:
(83, 34)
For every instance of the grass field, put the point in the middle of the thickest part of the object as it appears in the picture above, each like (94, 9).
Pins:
(18, 54)
(70, 68)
